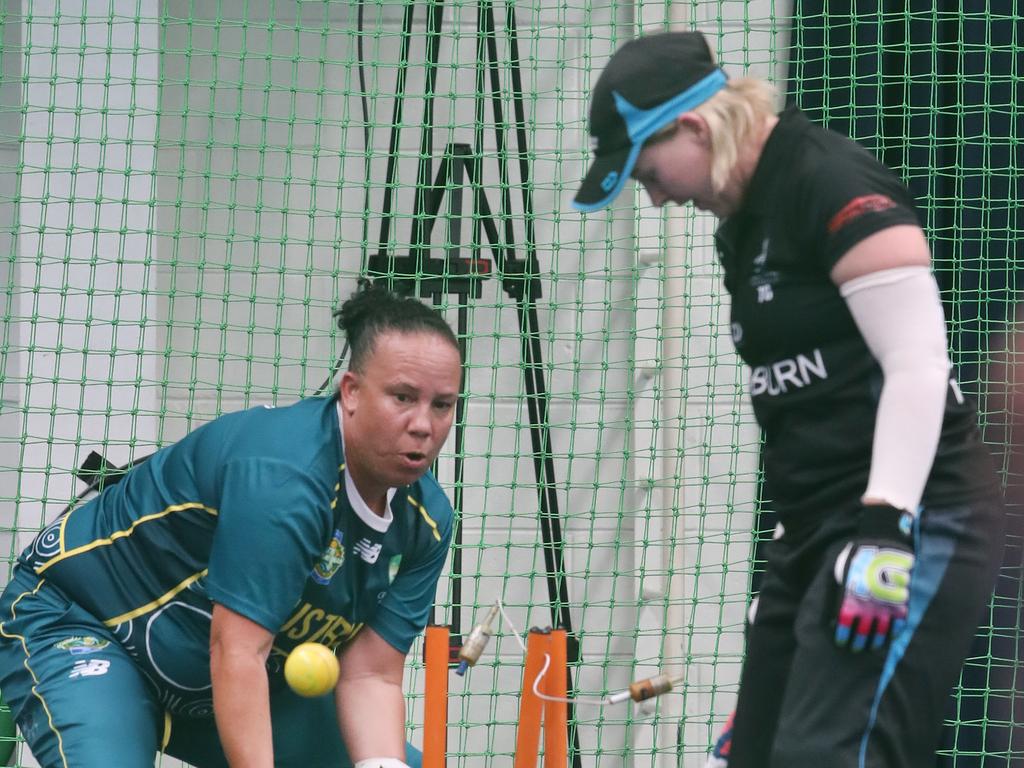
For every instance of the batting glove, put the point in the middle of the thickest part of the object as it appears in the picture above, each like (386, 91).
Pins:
(874, 571)
(719, 757)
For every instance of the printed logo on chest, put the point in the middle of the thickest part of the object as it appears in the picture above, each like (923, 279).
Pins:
(763, 280)
(367, 550)
(330, 561)
(312, 624)
(788, 374)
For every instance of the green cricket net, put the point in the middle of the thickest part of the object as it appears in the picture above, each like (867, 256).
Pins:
(187, 189)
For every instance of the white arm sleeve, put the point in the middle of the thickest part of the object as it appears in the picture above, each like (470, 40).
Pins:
(899, 314)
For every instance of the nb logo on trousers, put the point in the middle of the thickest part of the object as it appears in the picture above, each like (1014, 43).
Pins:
(90, 668)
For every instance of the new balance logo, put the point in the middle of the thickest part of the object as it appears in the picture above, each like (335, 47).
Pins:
(368, 551)
(90, 668)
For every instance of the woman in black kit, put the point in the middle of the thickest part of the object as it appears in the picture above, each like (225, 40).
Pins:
(891, 520)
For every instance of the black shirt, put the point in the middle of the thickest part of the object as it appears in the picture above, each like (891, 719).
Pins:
(813, 382)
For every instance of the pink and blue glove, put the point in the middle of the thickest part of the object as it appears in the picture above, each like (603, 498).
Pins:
(719, 757)
(873, 571)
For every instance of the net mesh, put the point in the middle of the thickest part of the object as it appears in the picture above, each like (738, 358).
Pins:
(188, 189)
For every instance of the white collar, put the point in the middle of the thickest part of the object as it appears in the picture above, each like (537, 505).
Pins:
(363, 511)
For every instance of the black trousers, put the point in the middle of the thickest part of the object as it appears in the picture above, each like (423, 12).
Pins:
(806, 703)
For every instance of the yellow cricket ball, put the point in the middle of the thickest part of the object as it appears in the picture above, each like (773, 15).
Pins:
(311, 669)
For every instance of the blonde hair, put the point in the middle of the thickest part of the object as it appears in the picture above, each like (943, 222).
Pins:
(734, 116)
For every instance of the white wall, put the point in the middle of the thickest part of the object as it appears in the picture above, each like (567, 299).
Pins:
(10, 129)
(81, 329)
(78, 359)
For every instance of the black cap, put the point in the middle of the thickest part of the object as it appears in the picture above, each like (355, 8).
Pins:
(646, 85)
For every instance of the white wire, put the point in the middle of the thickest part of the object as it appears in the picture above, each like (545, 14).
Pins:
(593, 700)
(597, 701)
(511, 626)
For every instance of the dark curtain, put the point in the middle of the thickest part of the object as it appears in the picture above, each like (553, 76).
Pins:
(935, 91)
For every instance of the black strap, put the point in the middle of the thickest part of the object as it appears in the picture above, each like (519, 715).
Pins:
(100, 473)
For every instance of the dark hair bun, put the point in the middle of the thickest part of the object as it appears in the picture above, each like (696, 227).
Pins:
(374, 308)
(367, 301)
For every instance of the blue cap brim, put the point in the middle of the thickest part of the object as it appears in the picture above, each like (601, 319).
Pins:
(607, 174)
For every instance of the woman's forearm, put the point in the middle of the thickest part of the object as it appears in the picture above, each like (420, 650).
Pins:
(241, 703)
(371, 716)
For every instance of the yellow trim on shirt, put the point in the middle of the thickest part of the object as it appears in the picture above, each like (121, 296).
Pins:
(63, 524)
(167, 732)
(337, 487)
(118, 534)
(425, 516)
(166, 597)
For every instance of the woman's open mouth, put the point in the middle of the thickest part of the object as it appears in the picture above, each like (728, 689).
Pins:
(415, 458)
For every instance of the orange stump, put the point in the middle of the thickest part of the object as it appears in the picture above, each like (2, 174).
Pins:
(556, 713)
(539, 645)
(435, 698)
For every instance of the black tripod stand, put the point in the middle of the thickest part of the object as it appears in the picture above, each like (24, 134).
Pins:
(454, 275)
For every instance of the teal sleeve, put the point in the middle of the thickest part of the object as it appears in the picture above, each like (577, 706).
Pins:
(404, 611)
(272, 523)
